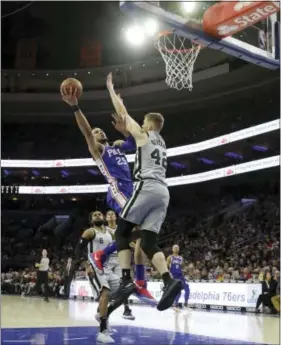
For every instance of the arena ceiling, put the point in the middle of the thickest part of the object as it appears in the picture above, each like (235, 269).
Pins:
(246, 82)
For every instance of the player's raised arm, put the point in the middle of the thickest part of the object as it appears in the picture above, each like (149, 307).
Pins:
(69, 97)
(131, 125)
(120, 125)
(80, 248)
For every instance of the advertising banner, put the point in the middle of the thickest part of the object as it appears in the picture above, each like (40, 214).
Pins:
(217, 294)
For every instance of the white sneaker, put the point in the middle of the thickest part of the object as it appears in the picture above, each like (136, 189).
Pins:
(109, 329)
(104, 337)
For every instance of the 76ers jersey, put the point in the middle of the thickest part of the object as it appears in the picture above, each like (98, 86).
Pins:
(113, 164)
(101, 240)
(176, 266)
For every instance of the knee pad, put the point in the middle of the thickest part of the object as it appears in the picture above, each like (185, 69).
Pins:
(149, 243)
(122, 234)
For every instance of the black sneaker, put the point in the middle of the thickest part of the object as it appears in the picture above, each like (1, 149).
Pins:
(128, 314)
(46, 299)
(170, 292)
(123, 292)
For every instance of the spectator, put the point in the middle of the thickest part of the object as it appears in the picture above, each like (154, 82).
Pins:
(269, 286)
(276, 299)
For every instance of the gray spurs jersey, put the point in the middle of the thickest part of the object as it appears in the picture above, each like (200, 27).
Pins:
(151, 159)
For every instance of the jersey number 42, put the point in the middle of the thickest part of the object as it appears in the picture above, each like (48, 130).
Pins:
(160, 158)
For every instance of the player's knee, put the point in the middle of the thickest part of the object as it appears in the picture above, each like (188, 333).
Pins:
(122, 234)
(149, 243)
(104, 294)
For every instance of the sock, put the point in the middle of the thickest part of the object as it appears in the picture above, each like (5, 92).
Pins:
(112, 306)
(110, 309)
(140, 273)
(111, 248)
(103, 323)
(186, 292)
(126, 275)
(166, 278)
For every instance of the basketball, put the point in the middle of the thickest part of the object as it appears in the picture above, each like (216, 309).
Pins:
(74, 83)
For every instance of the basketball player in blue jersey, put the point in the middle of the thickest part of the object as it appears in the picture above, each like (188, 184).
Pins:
(112, 163)
(175, 263)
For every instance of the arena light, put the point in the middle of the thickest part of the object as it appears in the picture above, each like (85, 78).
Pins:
(260, 148)
(206, 161)
(233, 155)
(150, 27)
(189, 6)
(35, 172)
(135, 35)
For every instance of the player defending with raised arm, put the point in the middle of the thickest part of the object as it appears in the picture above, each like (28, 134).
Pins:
(175, 263)
(148, 205)
(112, 163)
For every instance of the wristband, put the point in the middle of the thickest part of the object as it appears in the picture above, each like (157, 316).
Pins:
(75, 108)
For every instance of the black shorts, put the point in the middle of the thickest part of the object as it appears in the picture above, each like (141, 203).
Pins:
(42, 277)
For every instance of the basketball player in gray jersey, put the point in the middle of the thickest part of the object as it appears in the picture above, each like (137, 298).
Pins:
(97, 237)
(148, 205)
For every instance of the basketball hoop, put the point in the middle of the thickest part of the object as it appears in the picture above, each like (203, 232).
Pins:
(179, 55)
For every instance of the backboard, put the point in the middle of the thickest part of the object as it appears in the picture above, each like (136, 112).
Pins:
(249, 30)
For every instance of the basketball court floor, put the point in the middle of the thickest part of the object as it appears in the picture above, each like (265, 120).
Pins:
(32, 321)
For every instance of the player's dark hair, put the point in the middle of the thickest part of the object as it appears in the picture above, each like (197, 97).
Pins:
(110, 210)
(91, 215)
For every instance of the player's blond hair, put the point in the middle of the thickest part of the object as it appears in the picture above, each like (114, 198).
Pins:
(157, 119)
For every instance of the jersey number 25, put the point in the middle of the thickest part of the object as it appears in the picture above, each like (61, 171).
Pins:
(121, 160)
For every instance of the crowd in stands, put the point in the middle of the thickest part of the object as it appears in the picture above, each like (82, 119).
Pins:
(234, 240)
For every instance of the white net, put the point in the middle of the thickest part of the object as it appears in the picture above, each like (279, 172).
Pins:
(179, 55)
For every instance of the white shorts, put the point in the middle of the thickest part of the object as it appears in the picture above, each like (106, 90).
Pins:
(109, 279)
(113, 264)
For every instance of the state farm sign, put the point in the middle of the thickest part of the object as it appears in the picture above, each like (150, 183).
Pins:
(227, 18)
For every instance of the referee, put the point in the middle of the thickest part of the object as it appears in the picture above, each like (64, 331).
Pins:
(42, 276)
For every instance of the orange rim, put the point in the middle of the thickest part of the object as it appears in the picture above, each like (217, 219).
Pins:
(164, 33)
(167, 33)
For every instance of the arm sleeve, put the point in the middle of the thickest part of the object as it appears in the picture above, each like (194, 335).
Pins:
(80, 249)
(129, 144)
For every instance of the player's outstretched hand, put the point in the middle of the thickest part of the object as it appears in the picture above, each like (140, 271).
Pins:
(109, 82)
(69, 96)
(119, 124)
